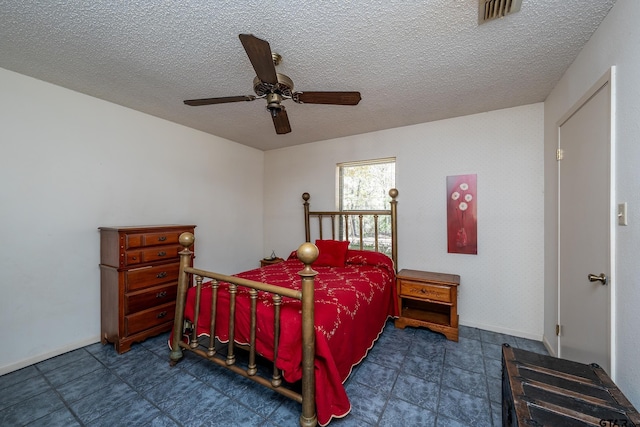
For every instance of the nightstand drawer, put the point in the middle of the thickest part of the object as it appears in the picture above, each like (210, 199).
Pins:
(423, 291)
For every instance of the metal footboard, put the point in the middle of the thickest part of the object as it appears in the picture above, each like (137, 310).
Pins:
(307, 253)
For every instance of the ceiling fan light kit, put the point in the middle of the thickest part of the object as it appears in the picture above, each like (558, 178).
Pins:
(276, 87)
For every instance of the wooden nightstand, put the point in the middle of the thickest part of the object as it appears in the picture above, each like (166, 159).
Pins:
(430, 300)
(267, 261)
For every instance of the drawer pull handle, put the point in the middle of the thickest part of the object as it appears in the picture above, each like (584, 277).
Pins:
(161, 294)
(162, 253)
(161, 314)
(162, 238)
(161, 275)
(134, 258)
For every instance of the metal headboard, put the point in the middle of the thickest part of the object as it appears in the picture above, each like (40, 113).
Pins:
(337, 216)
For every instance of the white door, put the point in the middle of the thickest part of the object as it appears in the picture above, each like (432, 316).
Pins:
(585, 229)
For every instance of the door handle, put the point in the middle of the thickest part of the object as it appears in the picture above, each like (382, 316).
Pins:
(601, 278)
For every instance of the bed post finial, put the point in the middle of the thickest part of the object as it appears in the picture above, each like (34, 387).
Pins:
(186, 240)
(308, 253)
(307, 229)
(394, 227)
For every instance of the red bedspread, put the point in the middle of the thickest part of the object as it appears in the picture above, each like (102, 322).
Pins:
(352, 305)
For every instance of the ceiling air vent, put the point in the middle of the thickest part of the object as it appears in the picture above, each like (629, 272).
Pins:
(489, 10)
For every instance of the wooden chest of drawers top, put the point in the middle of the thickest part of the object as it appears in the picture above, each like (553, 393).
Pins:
(124, 247)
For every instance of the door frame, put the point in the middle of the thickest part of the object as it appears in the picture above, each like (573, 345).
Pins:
(607, 79)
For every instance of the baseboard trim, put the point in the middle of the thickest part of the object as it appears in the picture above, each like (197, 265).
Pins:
(549, 347)
(48, 355)
(502, 330)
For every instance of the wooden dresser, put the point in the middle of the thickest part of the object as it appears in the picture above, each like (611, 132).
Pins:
(138, 281)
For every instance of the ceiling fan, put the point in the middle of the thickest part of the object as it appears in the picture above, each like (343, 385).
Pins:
(276, 87)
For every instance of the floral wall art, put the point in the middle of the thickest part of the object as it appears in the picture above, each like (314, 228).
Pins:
(462, 220)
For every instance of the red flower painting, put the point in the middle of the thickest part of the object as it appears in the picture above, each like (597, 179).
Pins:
(462, 221)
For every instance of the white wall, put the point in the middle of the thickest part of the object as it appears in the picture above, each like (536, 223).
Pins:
(616, 42)
(501, 287)
(70, 163)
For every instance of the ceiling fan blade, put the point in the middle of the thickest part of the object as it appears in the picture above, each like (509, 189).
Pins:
(259, 53)
(335, 98)
(281, 121)
(220, 100)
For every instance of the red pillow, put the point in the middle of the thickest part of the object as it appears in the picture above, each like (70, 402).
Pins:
(333, 253)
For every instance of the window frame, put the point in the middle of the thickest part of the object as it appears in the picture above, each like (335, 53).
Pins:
(340, 194)
(339, 175)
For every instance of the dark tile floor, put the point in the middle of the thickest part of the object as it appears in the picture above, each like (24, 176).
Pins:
(412, 377)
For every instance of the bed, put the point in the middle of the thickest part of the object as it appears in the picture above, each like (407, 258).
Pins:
(313, 316)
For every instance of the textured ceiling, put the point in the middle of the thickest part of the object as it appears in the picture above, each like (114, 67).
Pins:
(412, 61)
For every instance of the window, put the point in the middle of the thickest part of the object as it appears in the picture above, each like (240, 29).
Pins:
(365, 186)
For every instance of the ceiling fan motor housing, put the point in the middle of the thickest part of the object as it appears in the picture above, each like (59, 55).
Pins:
(284, 86)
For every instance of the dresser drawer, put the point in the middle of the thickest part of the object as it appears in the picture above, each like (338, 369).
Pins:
(155, 254)
(425, 291)
(158, 295)
(151, 239)
(138, 322)
(145, 277)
